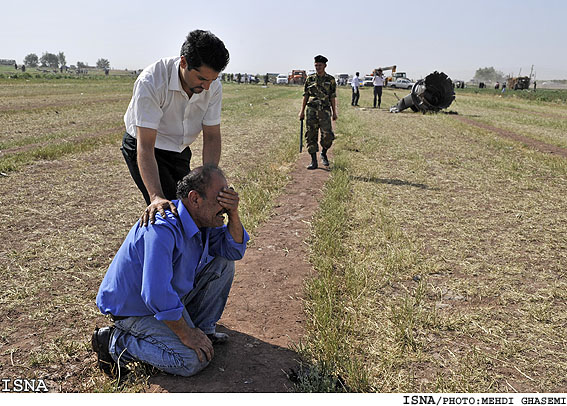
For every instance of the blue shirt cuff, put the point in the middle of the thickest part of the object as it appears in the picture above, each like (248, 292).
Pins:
(170, 315)
(239, 246)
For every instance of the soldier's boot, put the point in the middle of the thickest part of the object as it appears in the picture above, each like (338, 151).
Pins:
(324, 159)
(313, 164)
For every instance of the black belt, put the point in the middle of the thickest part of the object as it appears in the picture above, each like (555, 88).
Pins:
(116, 318)
(318, 105)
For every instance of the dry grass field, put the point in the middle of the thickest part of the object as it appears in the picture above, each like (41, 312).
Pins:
(450, 254)
(440, 245)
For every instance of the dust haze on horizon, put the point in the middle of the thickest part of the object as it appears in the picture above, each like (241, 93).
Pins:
(456, 37)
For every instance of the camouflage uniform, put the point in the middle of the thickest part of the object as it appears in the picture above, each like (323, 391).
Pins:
(320, 89)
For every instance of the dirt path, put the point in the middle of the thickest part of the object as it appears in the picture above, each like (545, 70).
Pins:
(529, 142)
(264, 315)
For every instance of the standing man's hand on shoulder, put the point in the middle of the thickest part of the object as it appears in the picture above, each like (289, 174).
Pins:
(147, 164)
(159, 204)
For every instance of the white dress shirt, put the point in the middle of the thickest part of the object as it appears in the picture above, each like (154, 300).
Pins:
(355, 82)
(378, 80)
(159, 102)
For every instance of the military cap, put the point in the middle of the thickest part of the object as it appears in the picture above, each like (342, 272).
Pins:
(321, 58)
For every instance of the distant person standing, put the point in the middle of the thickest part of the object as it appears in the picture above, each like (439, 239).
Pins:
(535, 85)
(320, 98)
(174, 100)
(266, 78)
(355, 89)
(378, 83)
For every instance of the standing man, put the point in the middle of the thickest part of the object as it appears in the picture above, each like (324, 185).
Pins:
(355, 89)
(378, 83)
(174, 99)
(167, 286)
(320, 97)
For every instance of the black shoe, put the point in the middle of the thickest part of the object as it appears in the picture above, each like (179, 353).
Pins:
(100, 343)
(313, 164)
(324, 159)
(218, 338)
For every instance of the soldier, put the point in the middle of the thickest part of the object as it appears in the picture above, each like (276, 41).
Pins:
(320, 97)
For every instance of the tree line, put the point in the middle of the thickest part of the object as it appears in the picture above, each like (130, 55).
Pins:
(489, 74)
(49, 60)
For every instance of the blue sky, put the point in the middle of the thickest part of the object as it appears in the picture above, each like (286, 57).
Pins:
(456, 37)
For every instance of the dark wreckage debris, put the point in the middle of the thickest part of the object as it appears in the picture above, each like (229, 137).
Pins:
(434, 93)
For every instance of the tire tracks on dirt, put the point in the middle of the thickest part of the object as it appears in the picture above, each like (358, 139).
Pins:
(529, 142)
(264, 314)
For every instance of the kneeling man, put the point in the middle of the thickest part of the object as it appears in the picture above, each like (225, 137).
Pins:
(168, 284)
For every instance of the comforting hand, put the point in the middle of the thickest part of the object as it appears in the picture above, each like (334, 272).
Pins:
(159, 204)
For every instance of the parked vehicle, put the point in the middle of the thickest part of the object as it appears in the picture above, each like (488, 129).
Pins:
(401, 83)
(519, 83)
(297, 77)
(342, 79)
(282, 79)
(368, 80)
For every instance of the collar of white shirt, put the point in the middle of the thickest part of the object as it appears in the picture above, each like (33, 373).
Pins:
(174, 80)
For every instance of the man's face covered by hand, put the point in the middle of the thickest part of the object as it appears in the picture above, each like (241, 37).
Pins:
(211, 213)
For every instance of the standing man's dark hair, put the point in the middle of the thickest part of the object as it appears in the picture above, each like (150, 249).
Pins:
(204, 48)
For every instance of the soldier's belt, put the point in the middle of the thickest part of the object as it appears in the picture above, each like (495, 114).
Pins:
(318, 104)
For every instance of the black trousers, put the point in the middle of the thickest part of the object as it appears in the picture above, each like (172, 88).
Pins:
(378, 92)
(172, 167)
(355, 96)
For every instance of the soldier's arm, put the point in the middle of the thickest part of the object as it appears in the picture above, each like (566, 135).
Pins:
(303, 104)
(333, 99)
(334, 107)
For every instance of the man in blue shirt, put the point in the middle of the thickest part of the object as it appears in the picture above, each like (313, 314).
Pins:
(167, 286)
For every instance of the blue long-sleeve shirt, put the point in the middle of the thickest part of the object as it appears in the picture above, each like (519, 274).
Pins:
(156, 265)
